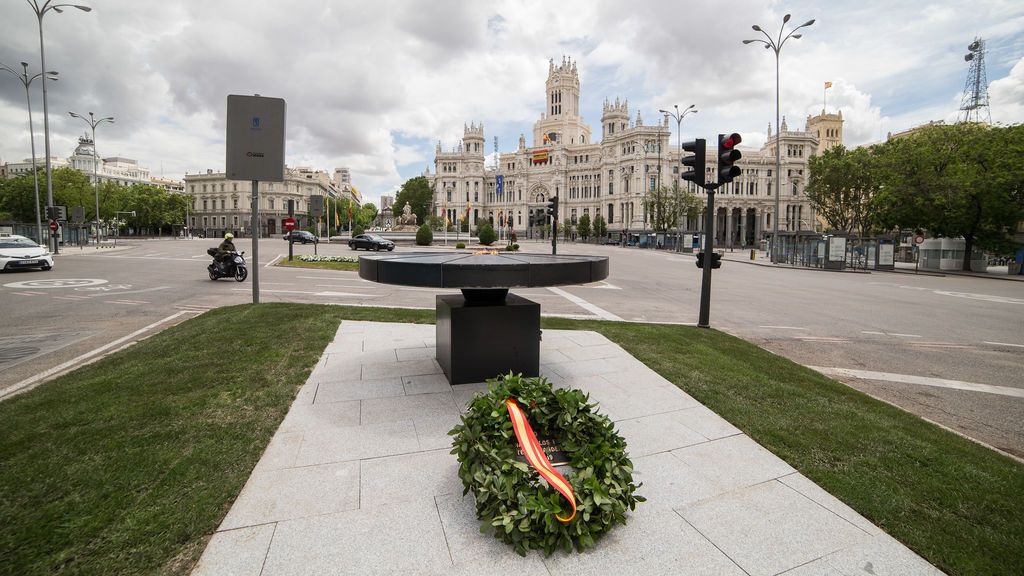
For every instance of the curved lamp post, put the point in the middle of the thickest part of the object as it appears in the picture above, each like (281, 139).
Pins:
(678, 117)
(775, 44)
(41, 11)
(93, 122)
(27, 80)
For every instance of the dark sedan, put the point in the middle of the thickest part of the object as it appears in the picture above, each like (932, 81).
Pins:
(301, 236)
(371, 242)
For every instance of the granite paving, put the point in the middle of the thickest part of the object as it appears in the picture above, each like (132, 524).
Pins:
(359, 479)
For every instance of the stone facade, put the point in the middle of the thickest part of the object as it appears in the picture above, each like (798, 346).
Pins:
(613, 177)
(220, 205)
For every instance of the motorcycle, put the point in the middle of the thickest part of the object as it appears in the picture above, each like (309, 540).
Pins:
(232, 267)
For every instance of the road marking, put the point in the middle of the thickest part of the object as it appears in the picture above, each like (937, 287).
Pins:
(1003, 344)
(28, 293)
(585, 305)
(602, 285)
(922, 380)
(81, 360)
(313, 293)
(820, 339)
(783, 327)
(890, 334)
(189, 259)
(121, 293)
(906, 335)
(985, 297)
(271, 263)
(57, 283)
(939, 345)
(121, 302)
(870, 332)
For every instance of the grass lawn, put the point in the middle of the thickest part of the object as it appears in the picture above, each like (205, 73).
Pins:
(127, 465)
(296, 263)
(957, 504)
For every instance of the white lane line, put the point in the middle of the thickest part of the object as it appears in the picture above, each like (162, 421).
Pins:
(122, 292)
(872, 332)
(905, 335)
(81, 360)
(921, 380)
(121, 302)
(325, 293)
(1003, 344)
(271, 263)
(783, 327)
(585, 305)
(938, 345)
(820, 339)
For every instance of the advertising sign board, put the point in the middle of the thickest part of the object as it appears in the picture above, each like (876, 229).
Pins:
(255, 138)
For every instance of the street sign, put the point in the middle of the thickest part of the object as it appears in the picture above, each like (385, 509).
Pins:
(316, 206)
(918, 239)
(53, 225)
(78, 214)
(288, 224)
(255, 138)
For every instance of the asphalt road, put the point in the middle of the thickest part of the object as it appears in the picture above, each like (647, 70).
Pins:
(948, 348)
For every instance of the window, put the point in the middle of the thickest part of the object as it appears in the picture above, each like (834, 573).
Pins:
(204, 206)
(235, 186)
(235, 203)
(236, 221)
(222, 202)
(270, 202)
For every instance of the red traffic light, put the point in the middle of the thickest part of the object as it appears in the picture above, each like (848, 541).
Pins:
(731, 141)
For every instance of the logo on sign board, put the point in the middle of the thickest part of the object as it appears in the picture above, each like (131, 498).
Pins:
(257, 123)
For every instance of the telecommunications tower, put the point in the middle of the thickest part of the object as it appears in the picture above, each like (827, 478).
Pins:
(974, 107)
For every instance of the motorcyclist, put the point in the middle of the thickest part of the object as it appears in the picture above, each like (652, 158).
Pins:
(225, 250)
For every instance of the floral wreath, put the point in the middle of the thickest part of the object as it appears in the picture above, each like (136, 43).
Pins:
(528, 504)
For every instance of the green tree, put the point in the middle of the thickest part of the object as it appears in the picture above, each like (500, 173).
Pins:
(583, 227)
(841, 185)
(424, 237)
(17, 199)
(964, 180)
(485, 232)
(600, 227)
(417, 192)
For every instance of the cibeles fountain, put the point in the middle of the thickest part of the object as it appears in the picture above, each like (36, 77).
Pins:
(485, 331)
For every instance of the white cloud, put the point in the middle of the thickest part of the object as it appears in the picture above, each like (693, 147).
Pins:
(374, 85)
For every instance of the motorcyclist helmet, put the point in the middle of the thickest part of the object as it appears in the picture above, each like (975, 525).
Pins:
(229, 236)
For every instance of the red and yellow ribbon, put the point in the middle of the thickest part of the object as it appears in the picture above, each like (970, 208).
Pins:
(536, 457)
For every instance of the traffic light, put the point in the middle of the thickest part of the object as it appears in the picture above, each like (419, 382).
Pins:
(552, 209)
(727, 156)
(696, 162)
(716, 260)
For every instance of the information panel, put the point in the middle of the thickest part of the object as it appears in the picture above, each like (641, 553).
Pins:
(837, 249)
(255, 138)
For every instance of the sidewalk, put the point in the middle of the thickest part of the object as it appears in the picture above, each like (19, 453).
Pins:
(359, 479)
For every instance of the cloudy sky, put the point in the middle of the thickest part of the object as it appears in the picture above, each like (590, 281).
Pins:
(374, 85)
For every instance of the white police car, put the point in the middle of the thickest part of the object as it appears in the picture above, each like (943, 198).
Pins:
(18, 252)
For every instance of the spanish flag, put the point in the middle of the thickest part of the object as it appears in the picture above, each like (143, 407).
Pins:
(828, 85)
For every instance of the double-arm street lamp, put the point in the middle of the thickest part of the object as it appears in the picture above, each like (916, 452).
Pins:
(678, 117)
(41, 11)
(27, 80)
(93, 122)
(775, 44)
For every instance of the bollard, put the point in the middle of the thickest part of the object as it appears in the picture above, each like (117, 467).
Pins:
(753, 254)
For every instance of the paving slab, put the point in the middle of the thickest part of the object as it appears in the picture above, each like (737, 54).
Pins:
(359, 479)
(770, 528)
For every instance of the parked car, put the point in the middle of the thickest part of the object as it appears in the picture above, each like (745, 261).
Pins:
(301, 236)
(371, 242)
(18, 252)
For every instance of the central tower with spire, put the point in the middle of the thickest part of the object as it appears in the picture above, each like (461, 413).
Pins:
(561, 122)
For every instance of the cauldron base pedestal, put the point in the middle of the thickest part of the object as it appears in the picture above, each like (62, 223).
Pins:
(477, 341)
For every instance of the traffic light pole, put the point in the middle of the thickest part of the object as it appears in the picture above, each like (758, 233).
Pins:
(704, 320)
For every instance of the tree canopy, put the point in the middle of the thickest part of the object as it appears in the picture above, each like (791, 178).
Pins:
(417, 192)
(841, 185)
(962, 180)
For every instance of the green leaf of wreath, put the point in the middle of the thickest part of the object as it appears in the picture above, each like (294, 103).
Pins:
(512, 501)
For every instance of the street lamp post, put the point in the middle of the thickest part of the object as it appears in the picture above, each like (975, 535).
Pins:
(93, 122)
(775, 44)
(678, 117)
(26, 80)
(40, 12)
